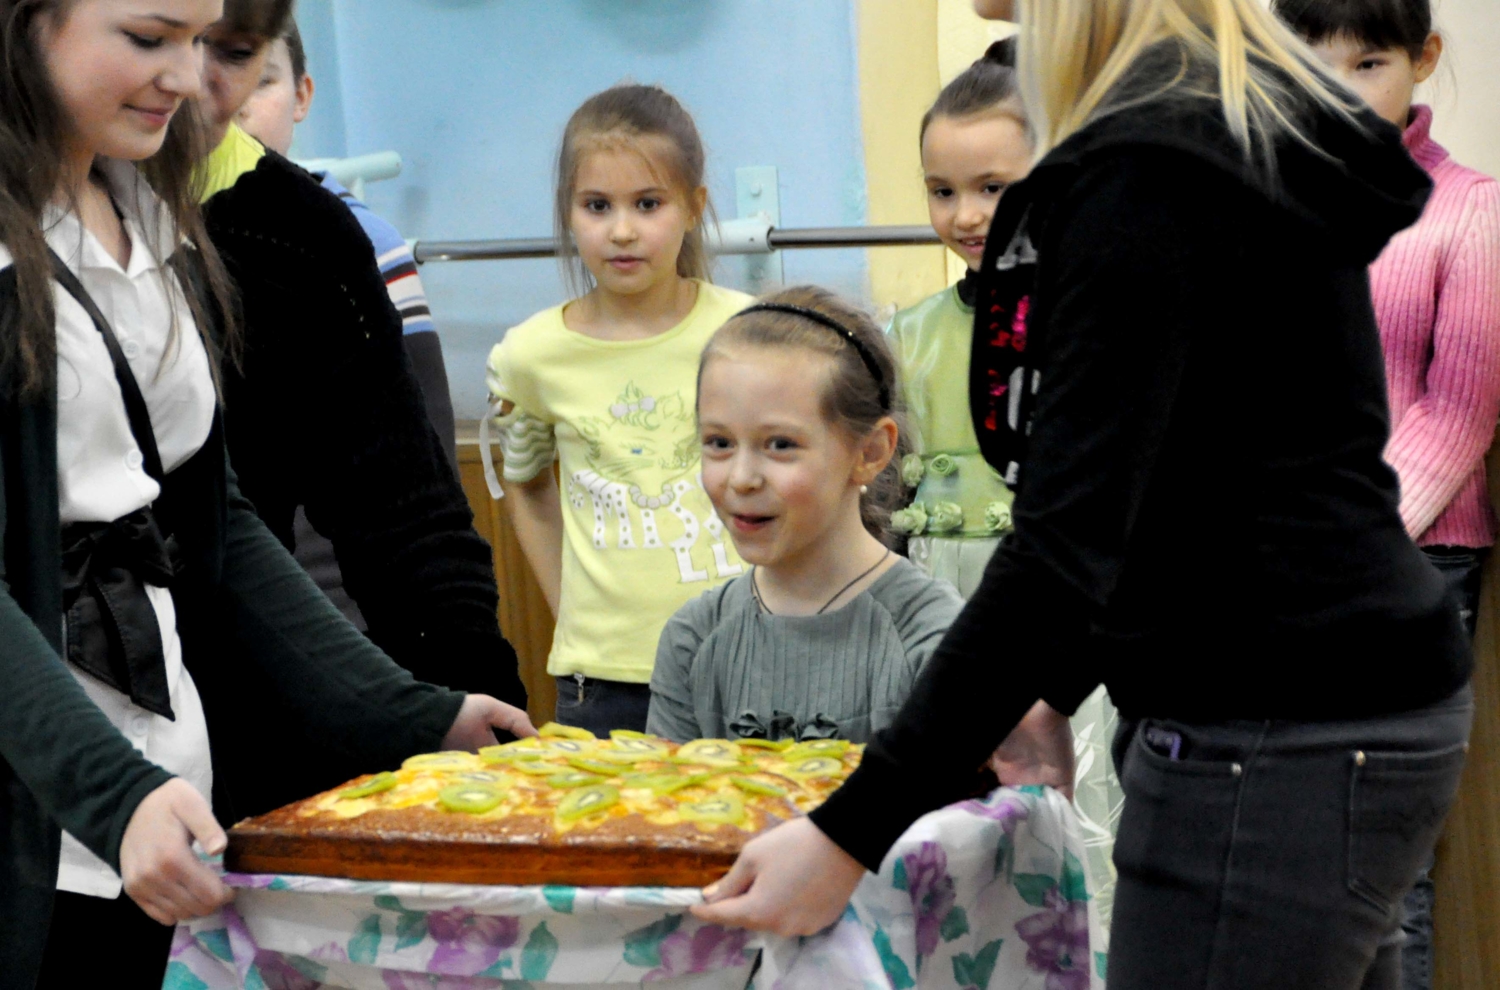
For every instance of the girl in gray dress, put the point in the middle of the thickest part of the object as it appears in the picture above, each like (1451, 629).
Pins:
(823, 638)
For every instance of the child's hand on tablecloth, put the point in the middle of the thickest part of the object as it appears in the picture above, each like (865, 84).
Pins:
(1038, 751)
(162, 874)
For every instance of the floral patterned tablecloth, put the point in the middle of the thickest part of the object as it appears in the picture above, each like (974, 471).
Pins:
(982, 894)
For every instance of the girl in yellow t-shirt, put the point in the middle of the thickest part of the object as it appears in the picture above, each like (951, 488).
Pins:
(623, 535)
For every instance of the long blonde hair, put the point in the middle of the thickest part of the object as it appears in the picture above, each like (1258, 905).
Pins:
(1075, 53)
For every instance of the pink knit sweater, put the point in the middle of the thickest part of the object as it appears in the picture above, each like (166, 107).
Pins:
(1437, 299)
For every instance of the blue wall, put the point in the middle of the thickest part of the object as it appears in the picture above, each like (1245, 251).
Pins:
(474, 95)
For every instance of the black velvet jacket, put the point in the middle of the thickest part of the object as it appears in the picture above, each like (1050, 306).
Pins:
(1204, 522)
(327, 414)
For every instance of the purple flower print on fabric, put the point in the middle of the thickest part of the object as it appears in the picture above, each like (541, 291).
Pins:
(425, 981)
(1003, 806)
(932, 893)
(278, 974)
(469, 943)
(704, 950)
(1057, 942)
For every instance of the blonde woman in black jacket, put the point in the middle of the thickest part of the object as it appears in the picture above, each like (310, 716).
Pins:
(1194, 413)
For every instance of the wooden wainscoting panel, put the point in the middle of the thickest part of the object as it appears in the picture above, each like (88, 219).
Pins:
(1467, 915)
(524, 616)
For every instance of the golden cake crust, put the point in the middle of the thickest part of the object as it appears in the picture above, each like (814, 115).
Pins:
(643, 838)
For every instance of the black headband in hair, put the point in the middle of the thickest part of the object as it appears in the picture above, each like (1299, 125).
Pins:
(823, 319)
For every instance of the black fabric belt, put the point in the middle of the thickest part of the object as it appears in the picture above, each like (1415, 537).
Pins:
(112, 629)
(111, 626)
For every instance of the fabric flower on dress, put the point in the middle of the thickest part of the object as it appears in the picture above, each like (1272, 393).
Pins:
(932, 893)
(1057, 942)
(703, 950)
(997, 517)
(912, 470)
(911, 520)
(469, 943)
(945, 517)
(942, 465)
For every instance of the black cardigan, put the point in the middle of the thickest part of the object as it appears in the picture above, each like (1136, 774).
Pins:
(246, 613)
(1204, 522)
(327, 414)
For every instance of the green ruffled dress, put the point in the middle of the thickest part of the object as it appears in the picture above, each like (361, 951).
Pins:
(960, 509)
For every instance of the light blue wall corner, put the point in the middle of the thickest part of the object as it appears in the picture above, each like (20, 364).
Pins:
(474, 94)
(321, 135)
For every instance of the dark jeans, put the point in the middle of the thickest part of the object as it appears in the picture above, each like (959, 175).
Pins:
(1461, 568)
(1274, 855)
(599, 705)
(95, 942)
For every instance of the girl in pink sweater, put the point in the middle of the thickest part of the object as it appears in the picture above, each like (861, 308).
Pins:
(1436, 290)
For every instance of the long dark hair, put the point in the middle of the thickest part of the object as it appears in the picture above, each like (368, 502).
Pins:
(989, 84)
(33, 128)
(853, 399)
(1381, 24)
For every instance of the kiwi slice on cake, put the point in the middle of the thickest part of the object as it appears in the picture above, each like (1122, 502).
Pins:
(772, 744)
(569, 747)
(752, 786)
(593, 766)
(817, 747)
(665, 782)
(382, 781)
(553, 730)
(724, 808)
(537, 768)
(447, 760)
(584, 801)
(472, 799)
(812, 768)
(709, 752)
(574, 778)
(494, 777)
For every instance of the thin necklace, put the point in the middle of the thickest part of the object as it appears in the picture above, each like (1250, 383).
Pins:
(755, 586)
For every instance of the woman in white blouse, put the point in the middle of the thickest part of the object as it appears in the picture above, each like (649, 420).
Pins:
(127, 550)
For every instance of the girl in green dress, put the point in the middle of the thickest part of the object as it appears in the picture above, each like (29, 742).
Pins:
(975, 142)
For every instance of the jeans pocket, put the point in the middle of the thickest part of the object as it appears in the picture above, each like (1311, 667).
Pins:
(1178, 813)
(568, 693)
(1397, 804)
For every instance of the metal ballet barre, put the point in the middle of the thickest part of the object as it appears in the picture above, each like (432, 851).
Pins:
(752, 235)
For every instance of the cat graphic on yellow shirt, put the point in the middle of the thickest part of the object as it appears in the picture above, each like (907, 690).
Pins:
(636, 469)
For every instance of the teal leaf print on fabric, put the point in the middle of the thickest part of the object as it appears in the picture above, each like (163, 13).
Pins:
(560, 899)
(706, 950)
(279, 884)
(1101, 965)
(411, 926)
(501, 969)
(411, 929)
(643, 946)
(898, 875)
(956, 925)
(540, 953)
(217, 942)
(895, 969)
(1034, 887)
(254, 981)
(1005, 855)
(974, 972)
(179, 977)
(364, 945)
(1075, 884)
